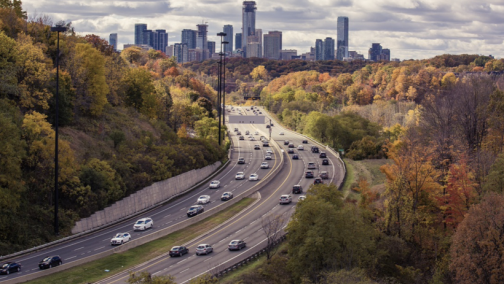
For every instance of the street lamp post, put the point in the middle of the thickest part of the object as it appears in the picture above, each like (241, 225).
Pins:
(57, 29)
(219, 91)
(223, 82)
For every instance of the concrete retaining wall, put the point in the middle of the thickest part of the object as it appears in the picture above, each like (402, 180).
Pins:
(156, 193)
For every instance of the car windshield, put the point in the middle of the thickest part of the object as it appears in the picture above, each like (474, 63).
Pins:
(118, 235)
(225, 194)
(46, 259)
(201, 247)
(175, 248)
(234, 242)
(140, 222)
(5, 265)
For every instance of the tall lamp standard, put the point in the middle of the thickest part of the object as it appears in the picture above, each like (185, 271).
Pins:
(57, 29)
(223, 82)
(219, 91)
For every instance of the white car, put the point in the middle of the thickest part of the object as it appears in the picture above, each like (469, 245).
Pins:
(120, 239)
(254, 177)
(301, 197)
(204, 199)
(281, 133)
(264, 165)
(269, 152)
(215, 184)
(268, 157)
(300, 147)
(143, 224)
(285, 199)
(256, 133)
(252, 138)
(240, 175)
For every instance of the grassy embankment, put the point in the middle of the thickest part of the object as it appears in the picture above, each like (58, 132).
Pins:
(116, 263)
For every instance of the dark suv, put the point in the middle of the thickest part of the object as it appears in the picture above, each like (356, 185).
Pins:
(297, 189)
(322, 155)
(314, 149)
(50, 261)
(324, 175)
(9, 267)
(195, 210)
(286, 142)
(309, 174)
(325, 162)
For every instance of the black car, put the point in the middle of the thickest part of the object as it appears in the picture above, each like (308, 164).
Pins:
(314, 149)
(50, 261)
(267, 126)
(236, 245)
(297, 189)
(286, 142)
(178, 251)
(322, 155)
(317, 181)
(195, 210)
(305, 141)
(290, 151)
(325, 162)
(291, 145)
(309, 174)
(242, 138)
(295, 157)
(226, 196)
(9, 267)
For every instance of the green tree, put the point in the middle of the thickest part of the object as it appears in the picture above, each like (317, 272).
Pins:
(138, 84)
(495, 178)
(9, 55)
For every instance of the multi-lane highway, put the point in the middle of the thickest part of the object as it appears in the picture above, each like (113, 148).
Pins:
(164, 216)
(247, 225)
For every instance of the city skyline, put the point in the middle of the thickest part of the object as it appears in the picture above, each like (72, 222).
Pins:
(417, 29)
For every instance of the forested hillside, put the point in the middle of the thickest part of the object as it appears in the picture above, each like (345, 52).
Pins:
(126, 121)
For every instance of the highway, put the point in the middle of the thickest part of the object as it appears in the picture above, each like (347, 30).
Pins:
(247, 224)
(164, 216)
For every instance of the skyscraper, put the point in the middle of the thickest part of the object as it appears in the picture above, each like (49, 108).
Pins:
(319, 49)
(248, 21)
(238, 41)
(148, 38)
(329, 48)
(181, 52)
(374, 51)
(272, 45)
(189, 37)
(139, 29)
(161, 40)
(342, 38)
(201, 40)
(228, 30)
(113, 41)
(211, 47)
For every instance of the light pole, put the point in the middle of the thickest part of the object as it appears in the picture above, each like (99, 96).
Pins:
(57, 29)
(219, 91)
(223, 82)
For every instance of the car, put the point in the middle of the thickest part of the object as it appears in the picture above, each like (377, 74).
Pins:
(256, 133)
(267, 126)
(301, 147)
(295, 157)
(214, 184)
(251, 138)
(325, 162)
(267, 157)
(314, 149)
(271, 124)
(240, 175)
(260, 112)
(241, 160)
(204, 249)
(236, 245)
(238, 133)
(286, 142)
(305, 141)
(324, 175)
(9, 267)
(317, 181)
(265, 143)
(178, 251)
(120, 239)
(254, 177)
(291, 145)
(269, 152)
(226, 196)
(311, 166)
(322, 155)
(195, 210)
(247, 132)
(309, 174)
(301, 197)
(50, 261)
(296, 189)
(285, 199)
(281, 133)
(264, 165)
(204, 199)
(143, 224)
(290, 151)
(236, 129)
(257, 147)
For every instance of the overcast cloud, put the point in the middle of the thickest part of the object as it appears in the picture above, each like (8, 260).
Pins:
(409, 28)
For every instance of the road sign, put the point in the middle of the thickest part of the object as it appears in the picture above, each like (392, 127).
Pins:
(246, 119)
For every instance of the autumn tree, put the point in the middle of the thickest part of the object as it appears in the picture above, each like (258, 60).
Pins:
(8, 69)
(259, 73)
(138, 84)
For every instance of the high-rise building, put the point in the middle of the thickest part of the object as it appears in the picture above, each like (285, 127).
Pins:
(181, 52)
(113, 41)
(272, 45)
(211, 47)
(228, 30)
(254, 49)
(374, 51)
(139, 29)
(248, 21)
(342, 39)
(288, 54)
(238, 41)
(161, 40)
(148, 38)
(319, 49)
(386, 54)
(189, 38)
(201, 40)
(329, 48)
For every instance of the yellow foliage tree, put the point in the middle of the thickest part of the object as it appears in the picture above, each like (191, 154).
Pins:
(259, 73)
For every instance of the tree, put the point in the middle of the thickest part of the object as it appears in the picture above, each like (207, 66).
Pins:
(476, 251)
(204, 279)
(259, 73)
(272, 226)
(9, 55)
(138, 84)
(495, 179)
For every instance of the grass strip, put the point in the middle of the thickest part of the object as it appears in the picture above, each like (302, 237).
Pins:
(350, 179)
(94, 271)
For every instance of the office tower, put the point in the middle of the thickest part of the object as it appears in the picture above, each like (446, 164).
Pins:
(254, 49)
(148, 38)
(248, 21)
(161, 40)
(386, 54)
(272, 45)
(169, 51)
(201, 40)
(113, 41)
(189, 38)
(238, 41)
(181, 52)
(258, 33)
(211, 47)
(288, 54)
(228, 30)
(319, 49)
(374, 51)
(342, 39)
(329, 48)
(139, 29)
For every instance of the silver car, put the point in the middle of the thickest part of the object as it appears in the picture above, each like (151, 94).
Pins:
(204, 249)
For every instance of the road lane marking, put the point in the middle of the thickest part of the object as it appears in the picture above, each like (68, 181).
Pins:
(71, 257)
(80, 248)
(184, 270)
(98, 248)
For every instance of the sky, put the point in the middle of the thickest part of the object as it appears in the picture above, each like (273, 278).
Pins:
(411, 29)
